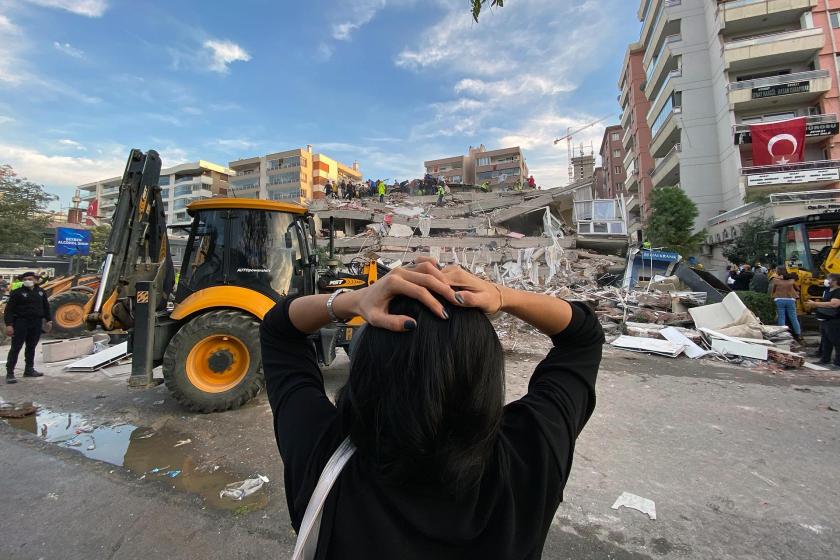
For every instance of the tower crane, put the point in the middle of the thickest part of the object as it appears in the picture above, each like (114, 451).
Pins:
(568, 138)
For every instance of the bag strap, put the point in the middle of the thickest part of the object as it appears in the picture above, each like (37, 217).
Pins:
(310, 527)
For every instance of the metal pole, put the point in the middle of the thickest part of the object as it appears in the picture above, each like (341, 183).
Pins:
(100, 293)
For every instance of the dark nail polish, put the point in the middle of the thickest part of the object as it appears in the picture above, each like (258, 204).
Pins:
(458, 298)
(445, 314)
(410, 325)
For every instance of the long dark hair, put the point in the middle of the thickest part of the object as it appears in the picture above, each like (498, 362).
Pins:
(425, 406)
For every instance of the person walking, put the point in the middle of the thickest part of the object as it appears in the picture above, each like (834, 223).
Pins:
(27, 309)
(828, 312)
(784, 293)
(380, 189)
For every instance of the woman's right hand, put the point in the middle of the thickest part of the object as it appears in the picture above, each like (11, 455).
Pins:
(470, 290)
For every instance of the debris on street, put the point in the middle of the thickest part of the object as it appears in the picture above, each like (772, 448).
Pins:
(632, 501)
(244, 488)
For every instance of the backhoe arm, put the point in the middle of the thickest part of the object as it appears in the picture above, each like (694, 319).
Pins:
(137, 248)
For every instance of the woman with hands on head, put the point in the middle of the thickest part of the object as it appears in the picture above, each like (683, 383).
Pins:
(442, 468)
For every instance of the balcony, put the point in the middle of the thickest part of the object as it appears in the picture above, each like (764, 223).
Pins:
(786, 47)
(740, 16)
(663, 26)
(631, 184)
(628, 159)
(808, 175)
(625, 118)
(666, 135)
(817, 128)
(799, 88)
(627, 140)
(667, 170)
(664, 63)
(660, 104)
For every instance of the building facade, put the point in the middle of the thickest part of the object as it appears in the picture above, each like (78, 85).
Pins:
(180, 185)
(712, 69)
(502, 168)
(612, 160)
(636, 140)
(295, 175)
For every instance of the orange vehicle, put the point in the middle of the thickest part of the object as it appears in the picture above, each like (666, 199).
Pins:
(68, 297)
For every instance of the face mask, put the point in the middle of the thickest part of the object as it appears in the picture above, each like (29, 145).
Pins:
(826, 283)
(28, 283)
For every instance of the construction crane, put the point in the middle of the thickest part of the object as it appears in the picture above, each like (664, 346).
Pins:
(568, 138)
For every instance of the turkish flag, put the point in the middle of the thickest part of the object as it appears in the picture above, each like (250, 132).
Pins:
(778, 143)
(90, 214)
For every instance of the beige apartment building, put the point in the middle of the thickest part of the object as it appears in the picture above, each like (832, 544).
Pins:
(295, 175)
(180, 185)
(502, 168)
(712, 69)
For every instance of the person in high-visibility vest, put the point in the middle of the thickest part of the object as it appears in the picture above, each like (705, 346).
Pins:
(441, 190)
(380, 188)
(485, 186)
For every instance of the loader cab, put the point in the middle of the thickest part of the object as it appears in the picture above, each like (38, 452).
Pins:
(261, 245)
(804, 243)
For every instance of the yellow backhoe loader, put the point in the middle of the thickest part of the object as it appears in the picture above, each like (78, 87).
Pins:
(241, 257)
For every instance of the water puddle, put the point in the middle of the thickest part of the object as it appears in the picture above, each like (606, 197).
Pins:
(164, 455)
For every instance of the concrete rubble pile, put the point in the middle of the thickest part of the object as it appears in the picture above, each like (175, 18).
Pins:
(523, 240)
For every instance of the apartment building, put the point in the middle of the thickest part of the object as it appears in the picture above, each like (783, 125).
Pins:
(180, 185)
(636, 139)
(612, 160)
(713, 69)
(502, 168)
(295, 175)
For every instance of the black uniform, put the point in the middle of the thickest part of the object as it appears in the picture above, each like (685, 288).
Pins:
(25, 311)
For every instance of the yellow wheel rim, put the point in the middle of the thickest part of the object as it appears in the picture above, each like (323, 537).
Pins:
(218, 363)
(70, 315)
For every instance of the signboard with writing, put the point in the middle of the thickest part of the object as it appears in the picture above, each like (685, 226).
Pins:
(793, 177)
(781, 89)
(69, 241)
(811, 131)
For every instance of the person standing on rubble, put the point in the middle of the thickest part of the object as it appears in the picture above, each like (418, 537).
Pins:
(532, 183)
(438, 466)
(441, 191)
(27, 313)
(380, 189)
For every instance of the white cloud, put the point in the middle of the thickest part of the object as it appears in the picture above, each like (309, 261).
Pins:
(89, 8)
(511, 75)
(59, 170)
(361, 12)
(69, 49)
(223, 53)
(234, 144)
(6, 119)
(72, 144)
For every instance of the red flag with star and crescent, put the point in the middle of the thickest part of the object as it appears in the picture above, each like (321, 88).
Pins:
(778, 143)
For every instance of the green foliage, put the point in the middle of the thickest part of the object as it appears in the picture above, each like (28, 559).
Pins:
(755, 244)
(756, 196)
(477, 5)
(760, 304)
(22, 213)
(671, 221)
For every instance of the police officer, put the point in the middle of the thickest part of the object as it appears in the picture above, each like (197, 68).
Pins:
(27, 308)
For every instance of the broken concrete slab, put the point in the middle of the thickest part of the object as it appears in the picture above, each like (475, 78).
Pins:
(60, 350)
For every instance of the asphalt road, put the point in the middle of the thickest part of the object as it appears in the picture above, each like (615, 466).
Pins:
(740, 464)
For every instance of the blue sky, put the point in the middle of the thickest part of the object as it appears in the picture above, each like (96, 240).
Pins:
(386, 82)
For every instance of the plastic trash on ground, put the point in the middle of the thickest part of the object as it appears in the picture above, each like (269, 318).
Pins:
(243, 489)
(644, 505)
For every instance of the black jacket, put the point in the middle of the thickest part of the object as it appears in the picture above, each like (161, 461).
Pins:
(30, 304)
(507, 515)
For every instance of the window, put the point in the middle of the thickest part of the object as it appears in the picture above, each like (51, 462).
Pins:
(484, 161)
(617, 170)
(181, 190)
(163, 180)
(614, 137)
(619, 187)
(283, 178)
(834, 18)
(616, 153)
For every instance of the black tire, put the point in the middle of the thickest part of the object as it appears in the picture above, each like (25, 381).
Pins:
(244, 332)
(68, 318)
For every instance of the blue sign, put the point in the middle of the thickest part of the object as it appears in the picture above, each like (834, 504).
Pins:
(69, 241)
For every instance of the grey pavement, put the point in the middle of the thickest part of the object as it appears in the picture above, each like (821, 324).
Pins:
(740, 463)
